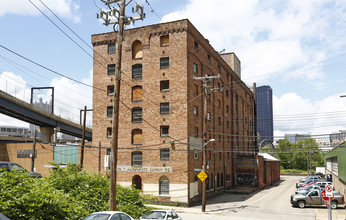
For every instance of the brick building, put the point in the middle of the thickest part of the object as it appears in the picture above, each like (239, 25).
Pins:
(162, 104)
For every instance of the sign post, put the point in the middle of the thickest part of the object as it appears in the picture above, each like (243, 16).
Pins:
(328, 195)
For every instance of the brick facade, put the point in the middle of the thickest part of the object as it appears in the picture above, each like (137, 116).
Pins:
(230, 118)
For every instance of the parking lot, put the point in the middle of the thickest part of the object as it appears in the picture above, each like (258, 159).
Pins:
(270, 203)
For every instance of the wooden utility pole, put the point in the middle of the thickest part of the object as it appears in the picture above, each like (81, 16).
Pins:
(116, 17)
(115, 119)
(205, 80)
(33, 152)
(83, 139)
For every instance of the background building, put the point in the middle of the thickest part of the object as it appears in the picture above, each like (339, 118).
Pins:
(264, 104)
(337, 138)
(294, 138)
(161, 111)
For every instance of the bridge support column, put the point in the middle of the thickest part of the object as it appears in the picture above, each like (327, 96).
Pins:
(48, 133)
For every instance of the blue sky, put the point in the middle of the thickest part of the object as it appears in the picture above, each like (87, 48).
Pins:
(297, 47)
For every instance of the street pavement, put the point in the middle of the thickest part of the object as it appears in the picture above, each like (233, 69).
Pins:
(270, 203)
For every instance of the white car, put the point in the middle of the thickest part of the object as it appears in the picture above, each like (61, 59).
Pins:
(161, 214)
(108, 215)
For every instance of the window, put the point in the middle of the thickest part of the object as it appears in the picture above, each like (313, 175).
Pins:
(195, 110)
(137, 52)
(209, 58)
(227, 108)
(196, 46)
(227, 124)
(164, 154)
(109, 111)
(195, 90)
(219, 103)
(218, 68)
(164, 186)
(164, 108)
(164, 40)
(219, 121)
(136, 93)
(110, 90)
(220, 156)
(111, 69)
(111, 48)
(136, 158)
(109, 132)
(226, 93)
(164, 85)
(195, 68)
(164, 62)
(227, 155)
(137, 136)
(164, 130)
(137, 114)
(195, 132)
(137, 71)
(66, 154)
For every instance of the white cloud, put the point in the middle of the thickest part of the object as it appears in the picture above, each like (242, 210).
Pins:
(270, 37)
(65, 8)
(295, 114)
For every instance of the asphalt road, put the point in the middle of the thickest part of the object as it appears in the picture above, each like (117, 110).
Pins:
(270, 203)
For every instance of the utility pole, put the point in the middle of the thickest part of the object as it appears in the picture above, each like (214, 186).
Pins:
(117, 17)
(83, 139)
(205, 80)
(33, 152)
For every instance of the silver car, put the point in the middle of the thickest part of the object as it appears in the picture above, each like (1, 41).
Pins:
(161, 214)
(108, 215)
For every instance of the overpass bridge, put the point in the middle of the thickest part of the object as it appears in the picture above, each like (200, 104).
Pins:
(23, 111)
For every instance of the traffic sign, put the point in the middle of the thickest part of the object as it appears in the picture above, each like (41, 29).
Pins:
(202, 176)
(327, 197)
(329, 188)
(329, 191)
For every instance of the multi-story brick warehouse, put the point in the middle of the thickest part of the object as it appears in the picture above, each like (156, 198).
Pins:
(162, 103)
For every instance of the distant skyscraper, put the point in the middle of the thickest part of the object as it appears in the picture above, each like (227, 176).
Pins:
(264, 101)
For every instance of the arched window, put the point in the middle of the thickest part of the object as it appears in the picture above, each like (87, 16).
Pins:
(137, 114)
(218, 180)
(137, 158)
(137, 182)
(137, 136)
(136, 93)
(222, 179)
(164, 186)
(137, 52)
(137, 71)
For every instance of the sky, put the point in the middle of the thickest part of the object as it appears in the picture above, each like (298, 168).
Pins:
(296, 47)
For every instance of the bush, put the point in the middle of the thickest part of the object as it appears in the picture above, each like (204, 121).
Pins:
(66, 193)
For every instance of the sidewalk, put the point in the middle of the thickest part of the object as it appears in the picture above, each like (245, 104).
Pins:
(337, 214)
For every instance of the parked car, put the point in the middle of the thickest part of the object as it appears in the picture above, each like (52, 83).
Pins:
(320, 183)
(108, 215)
(314, 197)
(161, 214)
(309, 181)
(10, 167)
(311, 187)
(305, 179)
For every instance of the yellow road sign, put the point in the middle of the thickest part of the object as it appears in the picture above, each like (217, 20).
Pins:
(202, 176)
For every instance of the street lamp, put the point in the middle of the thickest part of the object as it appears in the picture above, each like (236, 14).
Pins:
(204, 168)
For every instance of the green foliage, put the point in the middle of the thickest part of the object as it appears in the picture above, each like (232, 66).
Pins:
(294, 156)
(23, 197)
(66, 194)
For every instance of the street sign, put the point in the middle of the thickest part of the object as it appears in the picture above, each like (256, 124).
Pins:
(325, 197)
(202, 176)
(198, 169)
(329, 191)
